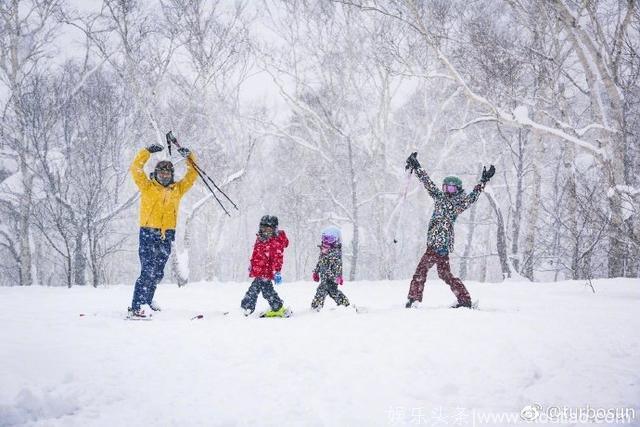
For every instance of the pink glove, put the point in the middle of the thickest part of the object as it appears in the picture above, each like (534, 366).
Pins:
(339, 280)
(316, 276)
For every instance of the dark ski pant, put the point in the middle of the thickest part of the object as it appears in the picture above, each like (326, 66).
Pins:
(328, 287)
(430, 258)
(265, 286)
(154, 251)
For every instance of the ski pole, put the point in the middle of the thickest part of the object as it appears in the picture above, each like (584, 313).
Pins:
(214, 184)
(210, 189)
(172, 139)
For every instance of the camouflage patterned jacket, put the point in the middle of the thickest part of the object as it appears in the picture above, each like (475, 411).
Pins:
(440, 235)
(330, 264)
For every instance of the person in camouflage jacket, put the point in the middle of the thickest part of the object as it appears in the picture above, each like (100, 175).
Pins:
(449, 202)
(328, 270)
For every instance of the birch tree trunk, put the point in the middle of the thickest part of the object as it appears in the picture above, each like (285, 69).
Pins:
(355, 244)
(501, 238)
(532, 214)
(24, 225)
(469, 244)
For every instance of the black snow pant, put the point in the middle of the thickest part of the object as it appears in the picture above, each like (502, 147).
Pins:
(328, 287)
(266, 287)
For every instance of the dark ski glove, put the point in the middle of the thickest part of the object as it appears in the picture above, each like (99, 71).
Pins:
(170, 138)
(412, 162)
(154, 148)
(487, 174)
(184, 151)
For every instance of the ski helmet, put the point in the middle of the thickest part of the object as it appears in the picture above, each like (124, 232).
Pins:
(453, 180)
(269, 221)
(331, 236)
(164, 166)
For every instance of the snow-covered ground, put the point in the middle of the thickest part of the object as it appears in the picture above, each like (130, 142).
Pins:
(553, 345)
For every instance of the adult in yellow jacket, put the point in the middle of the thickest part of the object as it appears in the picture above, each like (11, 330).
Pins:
(160, 198)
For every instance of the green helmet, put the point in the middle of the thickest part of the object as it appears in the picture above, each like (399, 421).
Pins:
(453, 180)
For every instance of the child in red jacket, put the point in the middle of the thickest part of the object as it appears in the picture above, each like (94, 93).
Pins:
(266, 263)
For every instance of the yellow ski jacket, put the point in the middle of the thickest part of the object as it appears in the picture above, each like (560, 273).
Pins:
(159, 204)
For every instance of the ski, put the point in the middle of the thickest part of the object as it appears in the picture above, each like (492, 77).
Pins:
(359, 309)
(216, 313)
(280, 313)
(415, 305)
(143, 316)
(137, 318)
(474, 305)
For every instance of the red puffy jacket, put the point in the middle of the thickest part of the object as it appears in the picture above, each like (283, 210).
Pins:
(268, 256)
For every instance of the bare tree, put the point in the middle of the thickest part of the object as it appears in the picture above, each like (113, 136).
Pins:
(28, 29)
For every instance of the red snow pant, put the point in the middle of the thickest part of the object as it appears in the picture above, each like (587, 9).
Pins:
(429, 258)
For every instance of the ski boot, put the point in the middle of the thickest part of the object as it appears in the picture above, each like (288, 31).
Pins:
(462, 304)
(412, 303)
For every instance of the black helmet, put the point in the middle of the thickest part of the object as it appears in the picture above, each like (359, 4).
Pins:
(165, 166)
(269, 221)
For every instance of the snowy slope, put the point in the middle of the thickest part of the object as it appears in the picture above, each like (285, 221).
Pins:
(549, 344)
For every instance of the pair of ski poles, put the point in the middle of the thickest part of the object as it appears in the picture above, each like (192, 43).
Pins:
(203, 175)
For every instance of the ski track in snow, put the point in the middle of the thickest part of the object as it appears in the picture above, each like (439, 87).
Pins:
(550, 344)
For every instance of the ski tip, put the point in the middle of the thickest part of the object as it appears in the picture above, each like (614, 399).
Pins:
(359, 309)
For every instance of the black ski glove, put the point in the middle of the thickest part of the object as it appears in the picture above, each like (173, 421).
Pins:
(487, 174)
(154, 148)
(184, 152)
(412, 162)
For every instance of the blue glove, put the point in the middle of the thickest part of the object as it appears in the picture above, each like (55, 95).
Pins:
(184, 151)
(277, 278)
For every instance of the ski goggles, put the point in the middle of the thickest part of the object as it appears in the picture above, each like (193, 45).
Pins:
(449, 188)
(329, 240)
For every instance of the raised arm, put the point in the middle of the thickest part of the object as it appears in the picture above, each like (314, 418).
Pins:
(431, 186)
(414, 166)
(137, 169)
(190, 177)
(472, 197)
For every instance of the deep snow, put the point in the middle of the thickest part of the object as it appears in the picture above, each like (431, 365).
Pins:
(529, 343)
